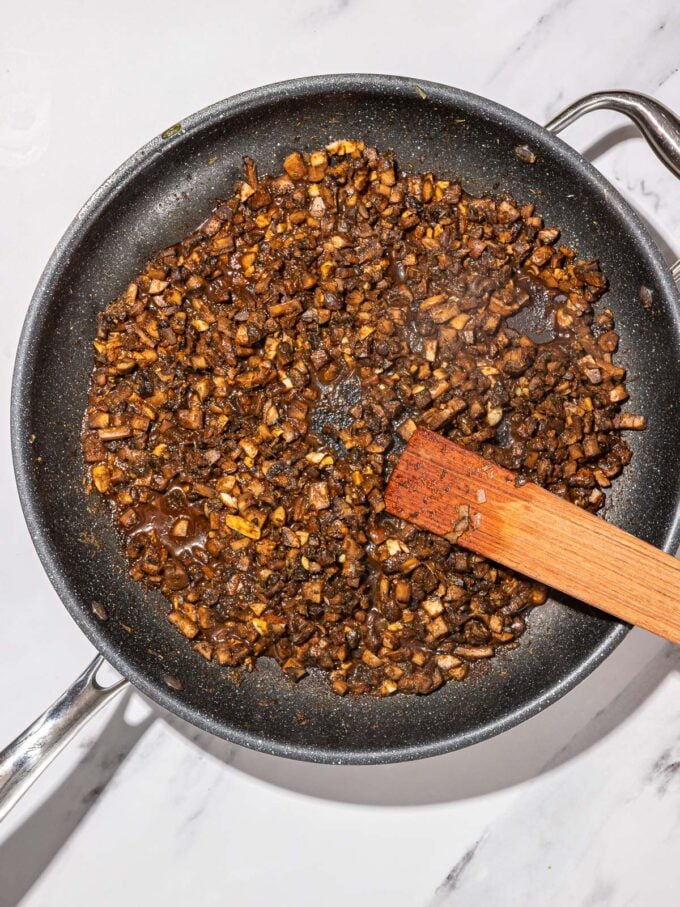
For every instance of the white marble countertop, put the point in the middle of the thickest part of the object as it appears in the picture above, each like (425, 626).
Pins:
(579, 805)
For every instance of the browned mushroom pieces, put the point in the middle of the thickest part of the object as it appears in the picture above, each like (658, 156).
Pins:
(248, 334)
(295, 166)
(175, 576)
(630, 421)
(232, 652)
(525, 154)
(516, 361)
(294, 669)
(282, 309)
(115, 433)
(254, 385)
(319, 495)
(190, 418)
(93, 449)
(101, 476)
(549, 235)
(608, 341)
(184, 624)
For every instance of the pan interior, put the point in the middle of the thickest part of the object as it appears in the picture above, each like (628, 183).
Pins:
(161, 195)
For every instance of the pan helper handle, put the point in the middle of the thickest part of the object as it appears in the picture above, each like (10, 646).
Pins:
(659, 125)
(29, 755)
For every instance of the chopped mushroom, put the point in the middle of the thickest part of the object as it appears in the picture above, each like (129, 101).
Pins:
(255, 384)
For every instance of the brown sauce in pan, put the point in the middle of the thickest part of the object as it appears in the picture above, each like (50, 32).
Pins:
(176, 524)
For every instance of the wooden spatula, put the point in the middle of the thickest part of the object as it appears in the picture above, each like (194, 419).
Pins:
(452, 492)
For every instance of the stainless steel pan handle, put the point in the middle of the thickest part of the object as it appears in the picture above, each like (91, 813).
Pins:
(659, 125)
(30, 754)
(675, 271)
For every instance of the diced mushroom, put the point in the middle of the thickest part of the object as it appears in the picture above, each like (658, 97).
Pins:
(255, 384)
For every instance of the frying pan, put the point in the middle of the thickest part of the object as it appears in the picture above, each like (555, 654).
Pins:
(157, 197)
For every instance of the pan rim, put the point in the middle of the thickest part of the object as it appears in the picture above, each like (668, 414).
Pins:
(132, 168)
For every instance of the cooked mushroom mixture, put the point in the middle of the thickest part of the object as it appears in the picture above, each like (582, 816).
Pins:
(256, 382)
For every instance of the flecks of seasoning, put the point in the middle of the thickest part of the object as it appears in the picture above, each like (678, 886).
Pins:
(127, 628)
(645, 296)
(31, 439)
(99, 610)
(213, 159)
(525, 154)
(173, 682)
(520, 480)
(171, 130)
(481, 496)
(87, 537)
(421, 92)
(460, 120)
(476, 520)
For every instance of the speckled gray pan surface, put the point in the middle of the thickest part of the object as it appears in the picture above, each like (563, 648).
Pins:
(160, 195)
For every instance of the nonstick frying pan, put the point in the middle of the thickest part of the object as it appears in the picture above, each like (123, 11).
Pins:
(158, 196)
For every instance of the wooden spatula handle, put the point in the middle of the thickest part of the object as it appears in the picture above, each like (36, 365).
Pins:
(437, 484)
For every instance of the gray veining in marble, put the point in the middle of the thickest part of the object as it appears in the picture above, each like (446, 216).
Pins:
(578, 806)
